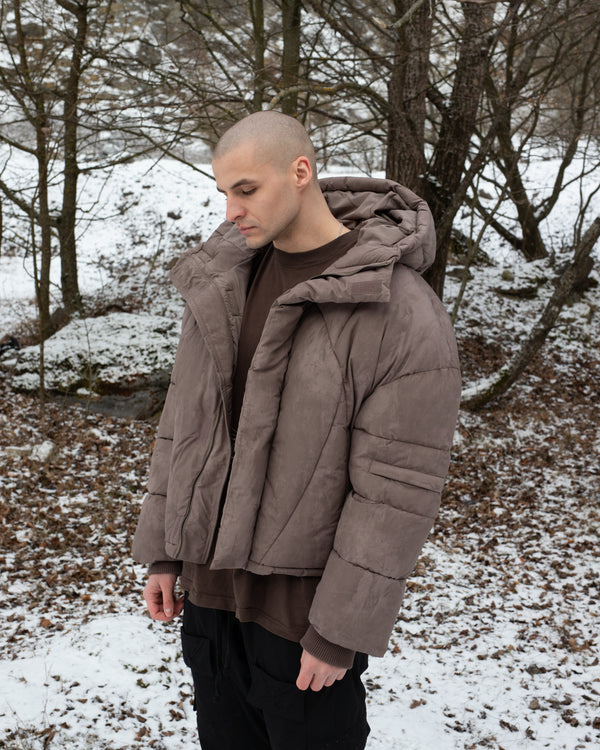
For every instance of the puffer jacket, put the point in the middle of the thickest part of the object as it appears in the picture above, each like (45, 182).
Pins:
(346, 426)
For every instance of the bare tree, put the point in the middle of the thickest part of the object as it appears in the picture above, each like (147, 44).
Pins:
(548, 66)
(443, 94)
(251, 54)
(575, 271)
(23, 83)
(407, 94)
(45, 55)
(70, 119)
(65, 94)
(467, 82)
(459, 118)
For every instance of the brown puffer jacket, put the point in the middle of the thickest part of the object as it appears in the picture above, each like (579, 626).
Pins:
(345, 432)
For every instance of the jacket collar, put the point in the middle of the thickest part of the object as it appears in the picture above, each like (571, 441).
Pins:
(395, 226)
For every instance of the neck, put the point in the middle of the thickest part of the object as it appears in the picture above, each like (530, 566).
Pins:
(314, 226)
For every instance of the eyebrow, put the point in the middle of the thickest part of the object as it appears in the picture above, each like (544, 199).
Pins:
(239, 183)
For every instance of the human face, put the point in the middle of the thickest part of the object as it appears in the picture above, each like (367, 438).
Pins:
(263, 199)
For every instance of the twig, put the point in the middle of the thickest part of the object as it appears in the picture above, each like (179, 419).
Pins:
(403, 19)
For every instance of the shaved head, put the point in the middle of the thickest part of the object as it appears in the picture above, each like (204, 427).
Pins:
(265, 167)
(276, 138)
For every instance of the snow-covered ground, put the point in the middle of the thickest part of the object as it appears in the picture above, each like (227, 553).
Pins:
(497, 643)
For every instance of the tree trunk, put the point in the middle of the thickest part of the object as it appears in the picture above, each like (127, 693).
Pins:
(42, 279)
(532, 244)
(457, 127)
(572, 275)
(290, 61)
(66, 230)
(38, 118)
(407, 88)
(41, 272)
(257, 15)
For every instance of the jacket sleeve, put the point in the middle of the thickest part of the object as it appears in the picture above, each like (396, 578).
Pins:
(149, 538)
(399, 457)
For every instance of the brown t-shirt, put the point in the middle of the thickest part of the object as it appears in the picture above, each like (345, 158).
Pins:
(280, 603)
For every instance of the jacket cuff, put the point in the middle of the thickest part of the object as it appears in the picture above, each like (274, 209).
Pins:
(330, 653)
(172, 567)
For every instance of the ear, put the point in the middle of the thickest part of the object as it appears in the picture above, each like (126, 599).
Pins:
(302, 171)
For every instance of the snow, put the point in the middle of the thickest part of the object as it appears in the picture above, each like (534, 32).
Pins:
(496, 645)
(98, 352)
(133, 221)
(116, 663)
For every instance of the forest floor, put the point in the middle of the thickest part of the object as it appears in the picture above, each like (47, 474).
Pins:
(496, 645)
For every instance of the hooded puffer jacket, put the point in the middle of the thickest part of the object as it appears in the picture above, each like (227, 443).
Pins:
(346, 426)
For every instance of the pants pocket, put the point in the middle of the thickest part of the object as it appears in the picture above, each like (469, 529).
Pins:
(275, 697)
(197, 654)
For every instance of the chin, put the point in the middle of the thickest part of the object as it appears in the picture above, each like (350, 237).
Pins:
(254, 243)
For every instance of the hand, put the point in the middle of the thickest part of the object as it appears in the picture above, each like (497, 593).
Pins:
(160, 601)
(316, 674)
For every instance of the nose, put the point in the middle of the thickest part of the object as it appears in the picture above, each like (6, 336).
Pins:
(234, 210)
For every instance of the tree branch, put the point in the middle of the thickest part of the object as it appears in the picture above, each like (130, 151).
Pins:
(407, 16)
(479, 395)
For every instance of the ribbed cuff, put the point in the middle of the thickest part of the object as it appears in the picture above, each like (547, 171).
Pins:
(330, 653)
(172, 567)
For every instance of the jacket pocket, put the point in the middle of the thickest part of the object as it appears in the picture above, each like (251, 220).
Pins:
(275, 697)
(407, 476)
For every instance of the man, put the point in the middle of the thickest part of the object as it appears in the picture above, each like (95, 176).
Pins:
(303, 445)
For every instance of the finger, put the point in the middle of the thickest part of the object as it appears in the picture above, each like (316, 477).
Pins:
(319, 679)
(304, 677)
(152, 603)
(155, 611)
(167, 600)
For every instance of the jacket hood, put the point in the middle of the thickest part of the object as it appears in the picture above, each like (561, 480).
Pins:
(395, 225)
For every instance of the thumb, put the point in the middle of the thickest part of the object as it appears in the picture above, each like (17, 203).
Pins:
(167, 597)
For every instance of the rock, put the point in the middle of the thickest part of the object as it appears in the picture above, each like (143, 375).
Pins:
(534, 704)
(524, 280)
(8, 343)
(142, 403)
(523, 292)
(457, 272)
(44, 452)
(17, 450)
(118, 353)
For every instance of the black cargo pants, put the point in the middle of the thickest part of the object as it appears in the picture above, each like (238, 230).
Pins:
(246, 696)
